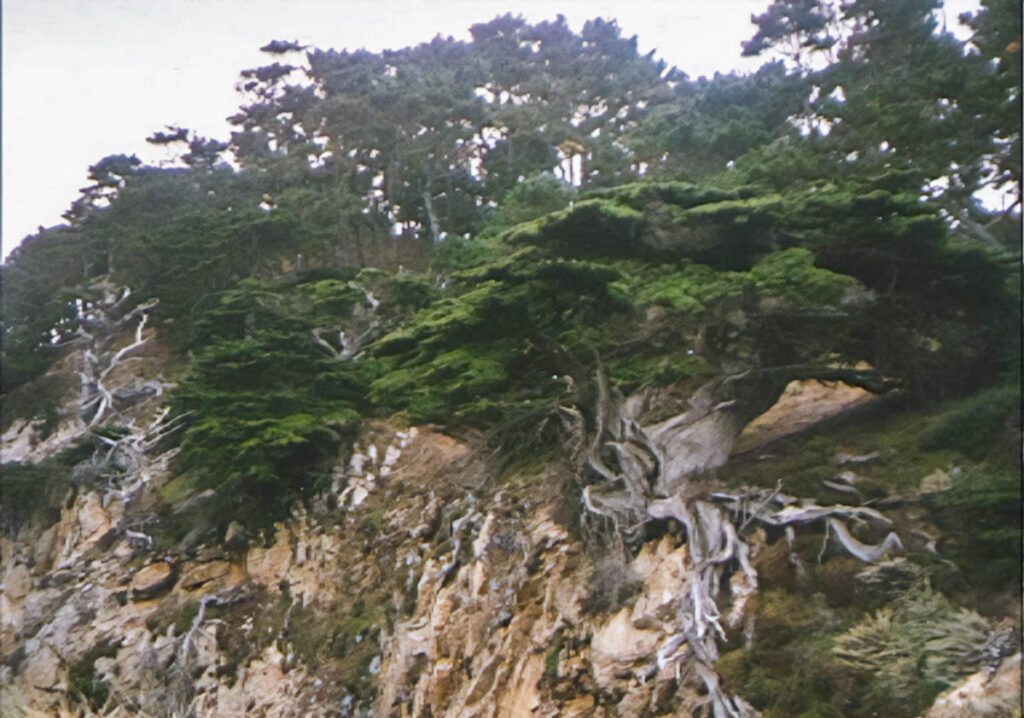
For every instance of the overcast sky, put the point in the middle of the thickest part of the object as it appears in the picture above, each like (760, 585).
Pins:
(83, 79)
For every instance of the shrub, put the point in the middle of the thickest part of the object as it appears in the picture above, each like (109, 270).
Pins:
(912, 651)
(972, 427)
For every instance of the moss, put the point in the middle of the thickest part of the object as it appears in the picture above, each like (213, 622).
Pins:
(551, 660)
(836, 577)
(733, 668)
(178, 489)
(898, 433)
(913, 650)
(185, 616)
(172, 615)
(346, 636)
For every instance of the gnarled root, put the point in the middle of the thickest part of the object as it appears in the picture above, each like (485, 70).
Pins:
(647, 473)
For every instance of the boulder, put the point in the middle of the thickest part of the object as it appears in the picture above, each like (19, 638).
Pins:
(153, 580)
(204, 573)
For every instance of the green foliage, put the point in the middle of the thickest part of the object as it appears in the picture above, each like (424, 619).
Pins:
(590, 227)
(28, 490)
(912, 651)
(33, 492)
(456, 254)
(790, 276)
(806, 248)
(974, 425)
(551, 660)
(39, 400)
(268, 406)
(980, 514)
(529, 199)
(640, 195)
(83, 684)
(497, 341)
(40, 280)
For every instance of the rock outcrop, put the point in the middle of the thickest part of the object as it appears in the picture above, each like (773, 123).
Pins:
(424, 581)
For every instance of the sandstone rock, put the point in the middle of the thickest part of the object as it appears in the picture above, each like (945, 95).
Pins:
(617, 646)
(581, 707)
(935, 482)
(39, 606)
(204, 573)
(93, 520)
(18, 582)
(269, 565)
(210, 553)
(984, 693)
(42, 665)
(42, 551)
(153, 580)
(663, 571)
(802, 405)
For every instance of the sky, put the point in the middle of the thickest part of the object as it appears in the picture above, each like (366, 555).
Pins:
(83, 79)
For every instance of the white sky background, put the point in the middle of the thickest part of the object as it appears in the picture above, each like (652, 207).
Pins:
(83, 79)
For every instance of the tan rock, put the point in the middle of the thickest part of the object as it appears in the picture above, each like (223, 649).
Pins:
(440, 684)
(153, 580)
(617, 646)
(43, 549)
(93, 520)
(935, 482)
(269, 565)
(204, 573)
(802, 405)
(18, 582)
(581, 707)
(982, 694)
(42, 665)
(664, 572)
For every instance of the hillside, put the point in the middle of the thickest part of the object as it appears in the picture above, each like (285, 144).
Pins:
(528, 376)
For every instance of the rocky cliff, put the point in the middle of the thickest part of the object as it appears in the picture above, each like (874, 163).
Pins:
(433, 579)
(524, 375)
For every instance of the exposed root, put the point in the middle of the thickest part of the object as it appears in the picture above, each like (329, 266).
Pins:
(646, 473)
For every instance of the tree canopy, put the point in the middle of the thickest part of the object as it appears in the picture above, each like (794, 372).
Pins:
(530, 193)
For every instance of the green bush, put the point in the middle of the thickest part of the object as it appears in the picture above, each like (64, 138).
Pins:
(912, 651)
(980, 516)
(973, 426)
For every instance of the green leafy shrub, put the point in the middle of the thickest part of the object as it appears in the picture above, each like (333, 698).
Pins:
(497, 341)
(912, 651)
(976, 423)
(529, 199)
(268, 406)
(980, 516)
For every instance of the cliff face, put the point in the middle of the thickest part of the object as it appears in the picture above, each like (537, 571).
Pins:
(427, 580)
(521, 375)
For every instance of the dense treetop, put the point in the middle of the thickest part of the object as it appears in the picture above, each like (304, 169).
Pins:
(536, 201)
